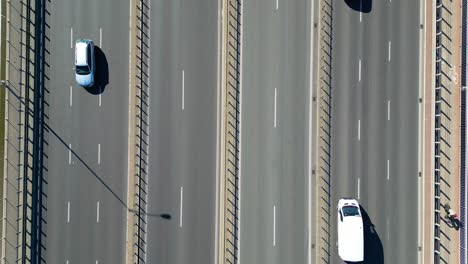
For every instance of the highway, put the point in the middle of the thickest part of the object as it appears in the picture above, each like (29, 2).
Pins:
(182, 131)
(375, 123)
(274, 131)
(87, 185)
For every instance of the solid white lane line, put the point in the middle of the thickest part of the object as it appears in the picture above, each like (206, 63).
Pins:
(359, 69)
(388, 110)
(71, 96)
(100, 38)
(99, 154)
(71, 38)
(359, 130)
(183, 89)
(181, 204)
(388, 169)
(68, 213)
(276, 4)
(274, 114)
(389, 50)
(359, 188)
(69, 153)
(274, 225)
(97, 214)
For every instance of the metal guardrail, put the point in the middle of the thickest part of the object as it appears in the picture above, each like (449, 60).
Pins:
(142, 108)
(32, 70)
(464, 136)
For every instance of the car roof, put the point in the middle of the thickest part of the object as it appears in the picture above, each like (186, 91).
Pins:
(80, 52)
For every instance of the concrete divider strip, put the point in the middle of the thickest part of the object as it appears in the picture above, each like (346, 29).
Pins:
(322, 171)
(130, 238)
(228, 234)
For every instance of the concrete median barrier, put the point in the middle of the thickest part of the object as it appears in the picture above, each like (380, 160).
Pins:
(228, 228)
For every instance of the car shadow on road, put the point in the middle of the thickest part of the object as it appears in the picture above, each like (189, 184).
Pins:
(101, 77)
(373, 249)
(364, 6)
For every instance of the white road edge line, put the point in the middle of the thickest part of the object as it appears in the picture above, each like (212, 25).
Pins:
(274, 114)
(99, 154)
(71, 96)
(129, 167)
(360, 10)
(309, 174)
(388, 169)
(183, 89)
(389, 51)
(219, 79)
(100, 38)
(421, 123)
(388, 110)
(359, 69)
(71, 38)
(68, 213)
(240, 130)
(274, 225)
(181, 204)
(359, 130)
(69, 153)
(359, 188)
(97, 213)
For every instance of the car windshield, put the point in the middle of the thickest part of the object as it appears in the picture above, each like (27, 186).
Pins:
(82, 70)
(350, 211)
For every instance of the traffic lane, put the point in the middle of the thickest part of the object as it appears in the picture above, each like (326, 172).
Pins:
(188, 131)
(260, 159)
(375, 124)
(346, 124)
(64, 129)
(404, 142)
(292, 106)
(164, 240)
(200, 125)
(57, 153)
(261, 162)
(56, 227)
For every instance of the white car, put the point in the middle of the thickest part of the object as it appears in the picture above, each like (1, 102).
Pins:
(350, 231)
(84, 62)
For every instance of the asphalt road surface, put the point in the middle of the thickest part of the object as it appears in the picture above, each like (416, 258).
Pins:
(274, 145)
(375, 123)
(182, 136)
(86, 190)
